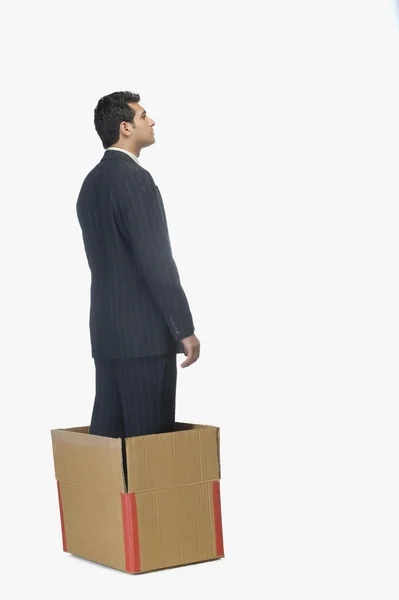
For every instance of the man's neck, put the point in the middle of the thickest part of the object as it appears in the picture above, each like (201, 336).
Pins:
(132, 151)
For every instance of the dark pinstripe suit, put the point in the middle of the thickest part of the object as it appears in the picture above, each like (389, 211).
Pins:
(138, 307)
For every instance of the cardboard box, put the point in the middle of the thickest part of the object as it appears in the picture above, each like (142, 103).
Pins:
(152, 504)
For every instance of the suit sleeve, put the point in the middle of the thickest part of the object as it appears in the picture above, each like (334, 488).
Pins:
(142, 216)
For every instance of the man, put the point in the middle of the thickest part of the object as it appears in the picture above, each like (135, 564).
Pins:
(139, 314)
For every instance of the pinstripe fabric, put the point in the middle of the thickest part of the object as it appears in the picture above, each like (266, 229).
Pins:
(133, 156)
(137, 304)
(134, 396)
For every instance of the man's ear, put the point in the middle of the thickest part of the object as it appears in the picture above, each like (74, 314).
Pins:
(124, 128)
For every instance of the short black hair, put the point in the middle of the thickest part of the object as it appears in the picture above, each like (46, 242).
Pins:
(110, 111)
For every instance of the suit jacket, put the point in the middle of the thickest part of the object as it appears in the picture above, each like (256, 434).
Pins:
(137, 304)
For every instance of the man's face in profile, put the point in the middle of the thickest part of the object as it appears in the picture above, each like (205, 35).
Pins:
(143, 131)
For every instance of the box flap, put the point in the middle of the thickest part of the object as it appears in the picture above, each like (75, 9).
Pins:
(86, 459)
(186, 456)
(180, 426)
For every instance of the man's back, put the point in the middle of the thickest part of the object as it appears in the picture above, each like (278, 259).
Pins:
(138, 307)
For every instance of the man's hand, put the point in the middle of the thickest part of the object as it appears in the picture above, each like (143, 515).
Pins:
(191, 350)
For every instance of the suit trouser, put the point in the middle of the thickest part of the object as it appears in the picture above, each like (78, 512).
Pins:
(134, 396)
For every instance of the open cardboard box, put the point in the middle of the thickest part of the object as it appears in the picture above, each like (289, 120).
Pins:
(143, 503)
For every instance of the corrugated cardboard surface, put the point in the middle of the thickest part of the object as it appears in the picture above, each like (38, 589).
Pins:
(170, 478)
(93, 524)
(89, 460)
(176, 526)
(172, 459)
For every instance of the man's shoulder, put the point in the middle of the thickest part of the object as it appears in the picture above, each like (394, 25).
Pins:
(133, 174)
(116, 175)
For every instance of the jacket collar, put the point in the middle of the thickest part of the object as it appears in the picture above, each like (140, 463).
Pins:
(110, 154)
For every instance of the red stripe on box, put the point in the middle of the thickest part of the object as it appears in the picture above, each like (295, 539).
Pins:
(217, 509)
(64, 547)
(131, 532)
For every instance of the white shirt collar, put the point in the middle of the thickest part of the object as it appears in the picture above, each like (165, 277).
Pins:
(133, 156)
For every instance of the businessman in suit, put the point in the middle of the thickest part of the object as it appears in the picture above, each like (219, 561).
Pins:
(139, 314)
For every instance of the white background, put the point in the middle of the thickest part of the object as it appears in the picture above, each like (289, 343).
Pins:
(277, 128)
